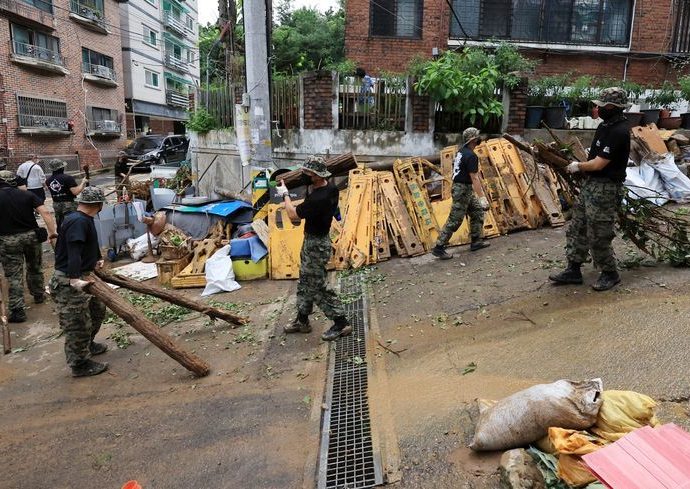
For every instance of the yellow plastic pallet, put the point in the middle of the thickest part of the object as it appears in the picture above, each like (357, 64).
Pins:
(537, 214)
(285, 244)
(400, 225)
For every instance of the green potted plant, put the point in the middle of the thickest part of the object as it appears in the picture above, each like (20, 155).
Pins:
(555, 110)
(667, 98)
(635, 91)
(536, 96)
(684, 84)
(579, 96)
(652, 113)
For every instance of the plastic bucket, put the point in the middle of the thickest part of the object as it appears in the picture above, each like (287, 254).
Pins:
(651, 116)
(554, 117)
(533, 116)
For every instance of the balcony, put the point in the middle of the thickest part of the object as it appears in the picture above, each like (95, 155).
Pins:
(104, 128)
(176, 98)
(88, 15)
(38, 58)
(102, 75)
(172, 61)
(173, 23)
(41, 124)
(25, 12)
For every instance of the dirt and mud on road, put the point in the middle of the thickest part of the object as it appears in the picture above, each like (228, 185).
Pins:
(482, 325)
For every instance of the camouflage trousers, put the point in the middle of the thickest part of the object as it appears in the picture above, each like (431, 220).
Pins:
(61, 209)
(312, 287)
(17, 252)
(592, 226)
(80, 316)
(464, 203)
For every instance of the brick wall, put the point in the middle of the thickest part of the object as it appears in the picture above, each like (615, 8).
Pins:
(68, 88)
(161, 126)
(318, 100)
(651, 34)
(517, 109)
(420, 112)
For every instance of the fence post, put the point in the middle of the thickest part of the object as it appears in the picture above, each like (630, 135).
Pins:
(335, 76)
(300, 84)
(506, 109)
(409, 107)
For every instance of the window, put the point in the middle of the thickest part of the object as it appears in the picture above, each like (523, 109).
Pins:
(151, 78)
(100, 114)
(189, 23)
(39, 112)
(92, 58)
(173, 49)
(151, 2)
(27, 42)
(681, 33)
(396, 18)
(190, 56)
(592, 22)
(150, 37)
(45, 5)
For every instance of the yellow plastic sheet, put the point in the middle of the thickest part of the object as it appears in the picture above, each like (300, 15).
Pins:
(623, 412)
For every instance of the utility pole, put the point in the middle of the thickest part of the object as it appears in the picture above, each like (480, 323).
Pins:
(258, 96)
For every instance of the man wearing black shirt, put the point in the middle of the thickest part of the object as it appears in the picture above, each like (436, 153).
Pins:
(468, 197)
(77, 254)
(63, 188)
(317, 210)
(20, 245)
(591, 229)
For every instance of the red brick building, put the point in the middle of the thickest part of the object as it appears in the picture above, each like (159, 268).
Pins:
(61, 91)
(622, 39)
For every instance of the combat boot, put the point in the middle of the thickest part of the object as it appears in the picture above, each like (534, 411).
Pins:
(17, 316)
(98, 348)
(299, 325)
(341, 327)
(480, 244)
(606, 281)
(440, 252)
(571, 275)
(89, 368)
(39, 298)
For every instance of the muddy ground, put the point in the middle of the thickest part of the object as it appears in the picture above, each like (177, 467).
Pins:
(254, 422)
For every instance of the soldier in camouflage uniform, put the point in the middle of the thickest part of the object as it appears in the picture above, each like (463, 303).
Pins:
(20, 246)
(77, 254)
(468, 197)
(318, 210)
(63, 189)
(591, 229)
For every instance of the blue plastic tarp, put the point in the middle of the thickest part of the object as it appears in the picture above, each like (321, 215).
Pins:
(242, 247)
(222, 209)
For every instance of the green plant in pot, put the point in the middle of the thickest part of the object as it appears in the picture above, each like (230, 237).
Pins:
(536, 100)
(684, 84)
(579, 95)
(635, 91)
(555, 111)
(667, 97)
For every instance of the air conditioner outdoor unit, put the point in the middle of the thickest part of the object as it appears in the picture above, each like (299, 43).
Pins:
(110, 126)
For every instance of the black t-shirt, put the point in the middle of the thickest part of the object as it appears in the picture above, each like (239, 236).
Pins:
(17, 207)
(466, 162)
(120, 167)
(59, 185)
(77, 250)
(612, 142)
(318, 210)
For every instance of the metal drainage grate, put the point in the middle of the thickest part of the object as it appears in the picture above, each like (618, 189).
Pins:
(348, 457)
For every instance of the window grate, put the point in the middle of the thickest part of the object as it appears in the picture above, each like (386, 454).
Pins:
(348, 458)
(577, 22)
(681, 31)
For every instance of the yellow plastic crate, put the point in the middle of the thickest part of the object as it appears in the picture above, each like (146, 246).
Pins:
(246, 269)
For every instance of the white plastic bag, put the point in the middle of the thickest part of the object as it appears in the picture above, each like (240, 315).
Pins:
(677, 184)
(644, 182)
(219, 274)
(138, 247)
(526, 416)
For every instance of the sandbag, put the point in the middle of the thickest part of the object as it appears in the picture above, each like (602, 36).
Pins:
(622, 412)
(526, 416)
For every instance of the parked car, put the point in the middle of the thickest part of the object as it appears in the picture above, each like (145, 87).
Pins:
(154, 149)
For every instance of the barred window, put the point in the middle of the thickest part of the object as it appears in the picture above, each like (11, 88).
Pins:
(396, 18)
(41, 107)
(597, 22)
(681, 31)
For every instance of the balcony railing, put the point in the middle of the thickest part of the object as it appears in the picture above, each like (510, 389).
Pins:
(27, 12)
(89, 15)
(99, 71)
(38, 53)
(43, 123)
(173, 22)
(176, 98)
(174, 62)
(104, 128)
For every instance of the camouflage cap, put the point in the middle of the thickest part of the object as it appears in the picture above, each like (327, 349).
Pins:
(469, 134)
(91, 195)
(56, 164)
(317, 166)
(8, 177)
(614, 96)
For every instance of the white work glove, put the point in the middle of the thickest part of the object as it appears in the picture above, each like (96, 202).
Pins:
(573, 167)
(484, 204)
(84, 181)
(79, 284)
(281, 190)
(99, 264)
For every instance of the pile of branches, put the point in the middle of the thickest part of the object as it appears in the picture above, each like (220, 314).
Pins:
(660, 232)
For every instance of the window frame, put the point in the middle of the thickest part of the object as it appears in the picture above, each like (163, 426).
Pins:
(542, 38)
(147, 36)
(103, 59)
(417, 28)
(158, 79)
(34, 35)
(153, 3)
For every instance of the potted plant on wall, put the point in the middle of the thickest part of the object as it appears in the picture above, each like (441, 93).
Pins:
(684, 84)
(667, 98)
(635, 91)
(535, 104)
(555, 110)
